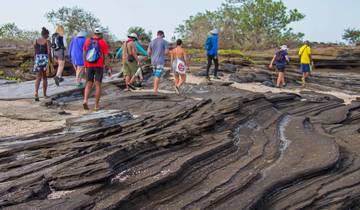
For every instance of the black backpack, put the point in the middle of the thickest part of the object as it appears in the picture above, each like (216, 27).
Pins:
(280, 57)
(57, 42)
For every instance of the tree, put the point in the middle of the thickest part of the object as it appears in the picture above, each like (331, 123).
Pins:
(73, 19)
(245, 23)
(352, 36)
(141, 33)
(13, 32)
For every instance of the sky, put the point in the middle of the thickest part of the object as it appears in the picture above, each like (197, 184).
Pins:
(325, 20)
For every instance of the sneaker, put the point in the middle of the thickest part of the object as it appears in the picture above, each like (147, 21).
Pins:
(37, 99)
(216, 77)
(208, 78)
(177, 90)
(57, 81)
(302, 81)
(61, 79)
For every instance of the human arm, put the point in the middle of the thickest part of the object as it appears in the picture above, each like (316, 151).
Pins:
(149, 51)
(187, 61)
(172, 57)
(49, 50)
(272, 62)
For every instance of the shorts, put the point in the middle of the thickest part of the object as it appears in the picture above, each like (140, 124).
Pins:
(305, 68)
(41, 62)
(158, 71)
(280, 68)
(59, 54)
(130, 68)
(94, 73)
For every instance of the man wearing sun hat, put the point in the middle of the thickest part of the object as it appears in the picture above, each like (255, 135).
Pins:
(130, 60)
(94, 54)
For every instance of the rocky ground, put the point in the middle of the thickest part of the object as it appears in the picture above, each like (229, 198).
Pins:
(225, 144)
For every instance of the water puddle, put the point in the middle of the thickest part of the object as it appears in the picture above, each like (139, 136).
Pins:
(239, 132)
(285, 142)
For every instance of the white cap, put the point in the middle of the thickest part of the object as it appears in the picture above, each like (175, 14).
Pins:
(284, 47)
(214, 31)
(133, 35)
(98, 31)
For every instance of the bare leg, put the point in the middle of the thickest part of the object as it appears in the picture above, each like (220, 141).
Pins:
(60, 68)
(177, 79)
(97, 94)
(156, 85)
(37, 83)
(45, 83)
(87, 91)
(279, 79)
(283, 79)
(182, 81)
(127, 81)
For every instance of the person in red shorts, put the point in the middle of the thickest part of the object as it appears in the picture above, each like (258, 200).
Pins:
(95, 52)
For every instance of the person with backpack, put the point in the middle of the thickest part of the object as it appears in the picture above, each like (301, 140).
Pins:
(76, 54)
(157, 50)
(42, 56)
(95, 52)
(130, 60)
(306, 61)
(180, 64)
(58, 44)
(281, 59)
(212, 46)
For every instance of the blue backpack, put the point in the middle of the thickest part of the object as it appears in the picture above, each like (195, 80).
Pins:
(93, 51)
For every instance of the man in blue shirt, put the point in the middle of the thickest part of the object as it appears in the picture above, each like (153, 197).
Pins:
(212, 46)
(158, 49)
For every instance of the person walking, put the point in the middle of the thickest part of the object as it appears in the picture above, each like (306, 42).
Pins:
(42, 57)
(76, 54)
(281, 59)
(95, 52)
(180, 64)
(158, 49)
(212, 47)
(59, 46)
(130, 60)
(306, 61)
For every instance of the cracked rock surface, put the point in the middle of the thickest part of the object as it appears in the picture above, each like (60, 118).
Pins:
(217, 147)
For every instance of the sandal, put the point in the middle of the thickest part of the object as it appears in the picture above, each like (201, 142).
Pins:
(85, 106)
(37, 99)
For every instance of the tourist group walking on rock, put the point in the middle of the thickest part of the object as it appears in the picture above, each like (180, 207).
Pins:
(89, 57)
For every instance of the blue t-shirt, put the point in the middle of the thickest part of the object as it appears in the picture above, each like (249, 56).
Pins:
(158, 47)
(283, 54)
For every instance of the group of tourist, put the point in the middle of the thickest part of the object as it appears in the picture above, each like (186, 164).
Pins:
(90, 54)
(281, 59)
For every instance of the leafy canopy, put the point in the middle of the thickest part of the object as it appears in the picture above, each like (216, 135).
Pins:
(245, 23)
(352, 36)
(141, 33)
(12, 32)
(73, 19)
